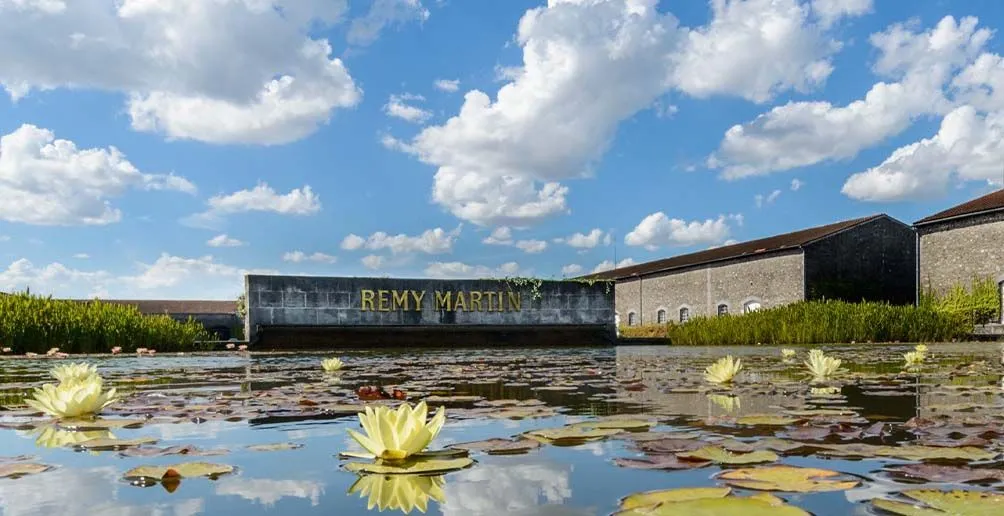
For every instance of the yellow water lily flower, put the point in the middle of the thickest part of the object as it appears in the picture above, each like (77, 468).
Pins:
(332, 364)
(724, 370)
(72, 399)
(921, 348)
(727, 403)
(787, 353)
(824, 391)
(399, 492)
(74, 372)
(397, 434)
(913, 358)
(820, 365)
(52, 437)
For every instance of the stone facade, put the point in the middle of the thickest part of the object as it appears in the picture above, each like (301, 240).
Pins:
(953, 252)
(770, 280)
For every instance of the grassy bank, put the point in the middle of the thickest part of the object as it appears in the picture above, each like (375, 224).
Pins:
(35, 324)
(648, 331)
(814, 322)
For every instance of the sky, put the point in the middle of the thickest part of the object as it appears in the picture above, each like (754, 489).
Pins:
(165, 148)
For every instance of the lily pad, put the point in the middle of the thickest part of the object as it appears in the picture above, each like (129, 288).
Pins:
(942, 473)
(765, 420)
(153, 451)
(275, 447)
(410, 467)
(757, 505)
(183, 470)
(20, 469)
(919, 453)
(722, 456)
(621, 424)
(113, 444)
(940, 503)
(669, 462)
(786, 478)
(84, 425)
(499, 446)
(571, 434)
(672, 495)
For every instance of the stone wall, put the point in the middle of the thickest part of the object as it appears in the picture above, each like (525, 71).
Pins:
(771, 280)
(322, 302)
(222, 326)
(874, 261)
(953, 252)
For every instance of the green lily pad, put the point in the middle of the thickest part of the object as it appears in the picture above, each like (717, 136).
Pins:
(409, 467)
(672, 495)
(919, 453)
(113, 444)
(762, 504)
(446, 453)
(766, 420)
(85, 425)
(274, 447)
(183, 470)
(571, 434)
(722, 456)
(620, 424)
(20, 469)
(940, 503)
(786, 478)
(499, 446)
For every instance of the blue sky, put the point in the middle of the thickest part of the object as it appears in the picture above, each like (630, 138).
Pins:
(156, 149)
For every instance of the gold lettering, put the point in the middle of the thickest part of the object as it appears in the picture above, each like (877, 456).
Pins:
(460, 302)
(417, 295)
(491, 297)
(443, 301)
(399, 299)
(476, 301)
(501, 304)
(382, 301)
(367, 299)
(514, 301)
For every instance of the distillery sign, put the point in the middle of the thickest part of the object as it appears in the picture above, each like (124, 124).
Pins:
(449, 301)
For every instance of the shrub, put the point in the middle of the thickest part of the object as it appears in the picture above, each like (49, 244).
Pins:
(817, 322)
(978, 304)
(648, 331)
(36, 324)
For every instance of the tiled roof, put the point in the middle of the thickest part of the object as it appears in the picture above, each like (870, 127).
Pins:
(743, 249)
(156, 306)
(990, 202)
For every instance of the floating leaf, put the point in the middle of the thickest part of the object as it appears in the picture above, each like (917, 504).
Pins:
(672, 495)
(114, 444)
(153, 451)
(941, 473)
(955, 503)
(20, 469)
(571, 434)
(621, 424)
(275, 447)
(757, 505)
(766, 420)
(670, 462)
(446, 453)
(920, 453)
(410, 467)
(499, 446)
(84, 425)
(722, 456)
(786, 478)
(183, 470)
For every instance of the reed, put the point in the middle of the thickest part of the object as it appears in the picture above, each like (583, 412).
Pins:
(36, 324)
(648, 331)
(818, 322)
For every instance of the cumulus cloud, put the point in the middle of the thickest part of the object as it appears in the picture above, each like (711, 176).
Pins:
(382, 14)
(373, 262)
(572, 269)
(608, 265)
(796, 184)
(398, 107)
(658, 230)
(224, 241)
(259, 78)
(501, 235)
(300, 256)
(447, 85)
(431, 241)
(262, 198)
(460, 270)
(48, 181)
(585, 241)
(830, 11)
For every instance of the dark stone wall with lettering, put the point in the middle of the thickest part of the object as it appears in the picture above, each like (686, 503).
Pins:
(327, 302)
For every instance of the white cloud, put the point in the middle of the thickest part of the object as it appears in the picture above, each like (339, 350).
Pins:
(258, 78)
(397, 106)
(608, 265)
(532, 246)
(796, 184)
(262, 198)
(762, 200)
(523, 488)
(51, 182)
(300, 256)
(585, 241)
(267, 491)
(658, 230)
(373, 261)
(431, 241)
(572, 269)
(384, 13)
(224, 241)
(501, 235)
(81, 256)
(447, 85)
(803, 133)
(460, 270)
(55, 277)
(829, 11)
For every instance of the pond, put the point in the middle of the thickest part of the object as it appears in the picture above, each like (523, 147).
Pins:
(574, 432)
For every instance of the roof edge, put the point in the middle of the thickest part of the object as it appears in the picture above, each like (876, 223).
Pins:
(927, 221)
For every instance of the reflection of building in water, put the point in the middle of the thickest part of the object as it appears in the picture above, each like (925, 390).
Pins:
(523, 487)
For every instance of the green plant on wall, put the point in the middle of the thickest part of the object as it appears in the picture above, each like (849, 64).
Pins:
(979, 303)
(242, 306)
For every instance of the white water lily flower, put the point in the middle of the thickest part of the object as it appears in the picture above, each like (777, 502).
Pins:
(787, 353)
(724, 370)
(332, 364)
(72, 399)
(74, 372)
(398, 434)
(820, 365)
(921, 348)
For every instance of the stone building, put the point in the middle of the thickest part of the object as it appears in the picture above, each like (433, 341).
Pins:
(871, 258)
(962, 243)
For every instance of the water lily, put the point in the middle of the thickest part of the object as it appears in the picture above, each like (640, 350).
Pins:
(332, 364)
(824, 391)
(398, 434)
(74, 372)
(72, 399)
(787, 353)
(50, 436)
(724, 370)
(400, 492)
(820, 365)
(913, 358)
(116, 350)
(727, 403)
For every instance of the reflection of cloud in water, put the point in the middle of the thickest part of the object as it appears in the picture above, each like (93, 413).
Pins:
(189, 431)
(84, 492)
(509, 488)
(267, 492)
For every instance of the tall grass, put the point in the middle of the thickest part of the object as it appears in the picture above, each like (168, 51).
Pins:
(815, 322)
(35, 323)
(978, 304)
(648, 331)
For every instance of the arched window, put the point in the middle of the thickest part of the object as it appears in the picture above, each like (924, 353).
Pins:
(684, 314)
(723, 309)
(751, 306)
(660, 316)
(631, 319)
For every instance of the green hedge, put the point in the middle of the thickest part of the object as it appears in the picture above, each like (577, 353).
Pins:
(978, 304)
(36, 324)
(817, 322)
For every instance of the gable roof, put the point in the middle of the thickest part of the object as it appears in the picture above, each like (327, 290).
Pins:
(990, 202)
(157, 306)
(787, 241)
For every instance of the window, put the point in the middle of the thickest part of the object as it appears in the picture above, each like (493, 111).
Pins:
(631, 319)
(684, 315)
(660, 316)
(751, 306)
(723, 309)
